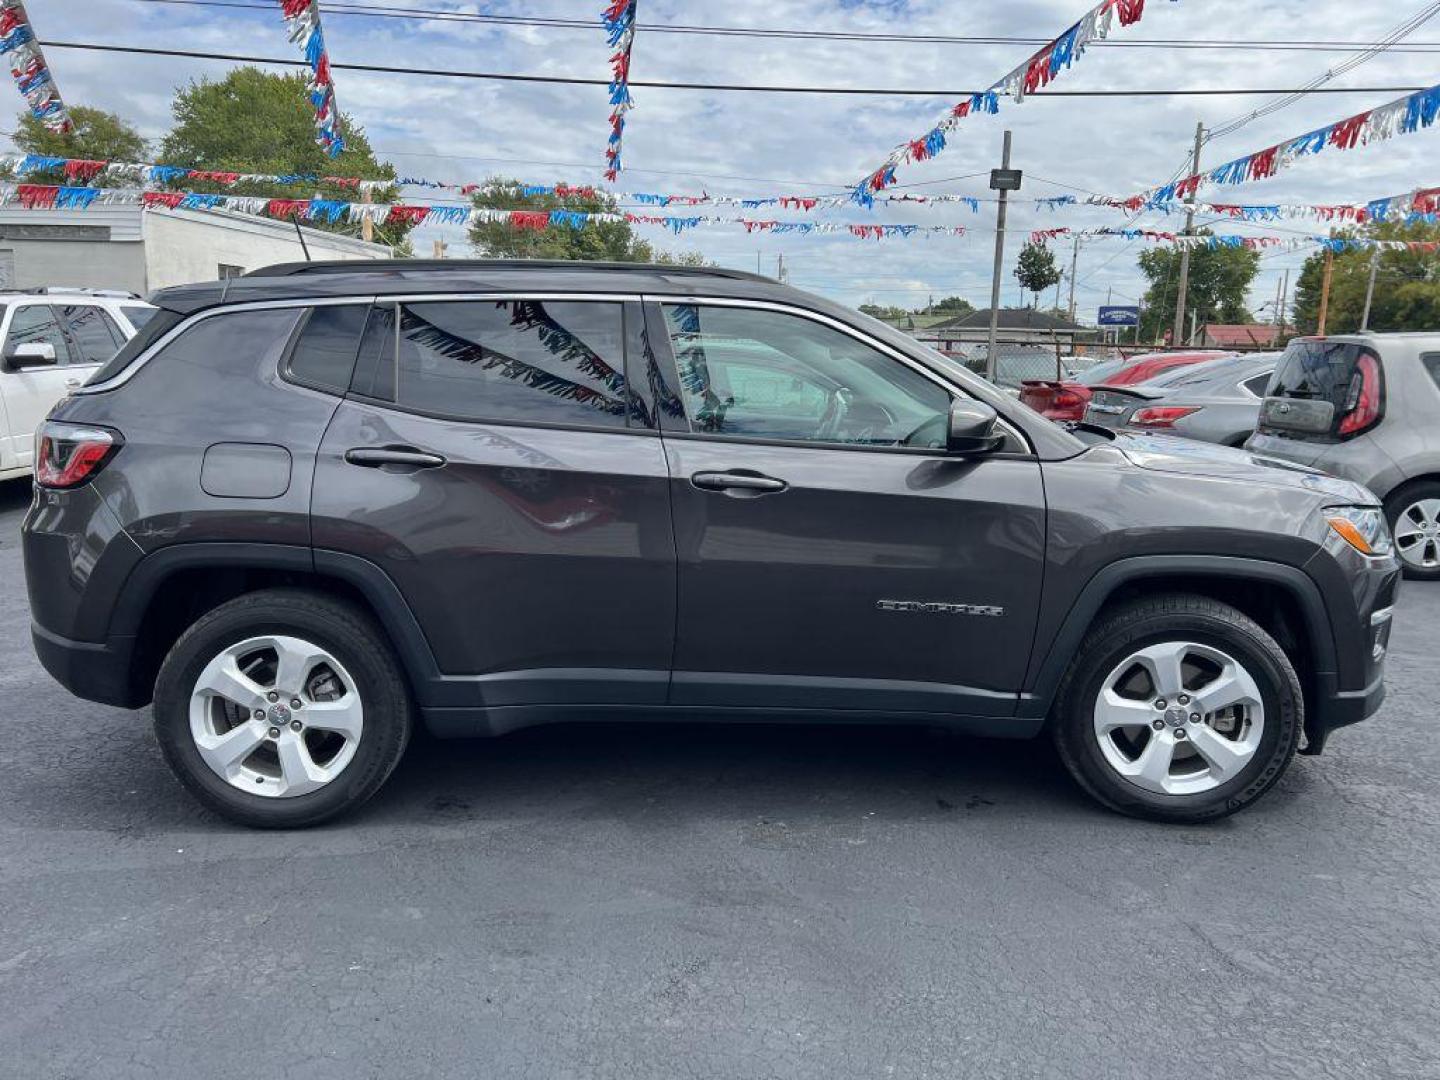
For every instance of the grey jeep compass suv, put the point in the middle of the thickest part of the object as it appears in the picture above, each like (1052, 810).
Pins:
(307, 507)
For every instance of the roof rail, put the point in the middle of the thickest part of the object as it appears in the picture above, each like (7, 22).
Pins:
(75, 290)
(381, 266)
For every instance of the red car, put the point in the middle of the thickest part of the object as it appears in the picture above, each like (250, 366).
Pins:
(1067, 400)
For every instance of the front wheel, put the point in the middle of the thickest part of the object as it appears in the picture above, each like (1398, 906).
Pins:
(1414, 515)
(282, 708)
(1179, 709)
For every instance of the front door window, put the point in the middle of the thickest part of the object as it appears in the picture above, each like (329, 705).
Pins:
(768, 375)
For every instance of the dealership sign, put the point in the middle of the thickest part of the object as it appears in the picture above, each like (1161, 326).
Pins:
(1119, 316)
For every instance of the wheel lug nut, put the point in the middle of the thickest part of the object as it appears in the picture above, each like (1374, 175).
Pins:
(1194, 718)
(1160, 704)
(272, 696)
(274, 733)
(1158, 725)
(259, 714)
(295, 703)
(295, 725)
(1180, 733)
(1183, 699)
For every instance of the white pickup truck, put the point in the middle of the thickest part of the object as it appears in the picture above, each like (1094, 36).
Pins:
(50, 342)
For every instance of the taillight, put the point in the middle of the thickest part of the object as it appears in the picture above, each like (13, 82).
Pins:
(1066, 405)
(68, 455)
(1362, 404)
(1159, 416)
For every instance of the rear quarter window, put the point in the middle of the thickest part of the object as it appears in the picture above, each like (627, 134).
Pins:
(231, 343)
(160, 324)
(1432, 365)
(324, 353)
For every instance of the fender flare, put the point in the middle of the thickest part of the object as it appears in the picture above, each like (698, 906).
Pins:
(1043, 681)
(380, 592)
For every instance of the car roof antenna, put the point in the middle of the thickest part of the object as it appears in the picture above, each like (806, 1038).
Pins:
(301, 234)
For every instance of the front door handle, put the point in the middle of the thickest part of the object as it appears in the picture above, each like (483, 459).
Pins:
(404, 456)
(738, 483)
(71, 384)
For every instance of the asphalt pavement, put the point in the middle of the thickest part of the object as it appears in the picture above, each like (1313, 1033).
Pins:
(632, 902)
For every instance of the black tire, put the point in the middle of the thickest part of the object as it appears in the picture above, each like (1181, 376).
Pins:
(340, 628)
(1396, 505)
(1188, 618)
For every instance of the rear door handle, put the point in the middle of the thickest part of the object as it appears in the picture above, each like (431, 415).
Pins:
(405, 456)
(71, 384)
(738, 483)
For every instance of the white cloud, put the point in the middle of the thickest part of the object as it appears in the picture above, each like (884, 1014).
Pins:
(686, 141)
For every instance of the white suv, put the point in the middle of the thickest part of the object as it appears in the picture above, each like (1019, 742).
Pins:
(50, 342)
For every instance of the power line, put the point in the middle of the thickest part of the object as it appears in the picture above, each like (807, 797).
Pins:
(193, 54)
(1385, 44)
(353, 9)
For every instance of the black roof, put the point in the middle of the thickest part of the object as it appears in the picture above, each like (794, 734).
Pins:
(316, 280)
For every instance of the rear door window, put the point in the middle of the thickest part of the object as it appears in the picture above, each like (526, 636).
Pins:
(93, 335)
(37, 324)
(510, 361)
(1432, 365)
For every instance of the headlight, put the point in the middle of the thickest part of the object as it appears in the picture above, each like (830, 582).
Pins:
(1363, 528)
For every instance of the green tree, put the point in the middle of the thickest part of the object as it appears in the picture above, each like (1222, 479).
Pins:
(97, 136)
(1220, 280)
(1407, 284)
(953, 306)
(610, 241)
(252, 121)
(1036, 270)
(889, 311)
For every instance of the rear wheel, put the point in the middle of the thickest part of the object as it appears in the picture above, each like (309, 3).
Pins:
(1179, 709)
(282, 708)
(1414, 515)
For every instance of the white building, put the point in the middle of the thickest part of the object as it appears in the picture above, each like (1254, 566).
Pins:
(138, 250)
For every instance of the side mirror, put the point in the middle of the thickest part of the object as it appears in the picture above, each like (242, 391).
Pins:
(972, 428)
(32, 354)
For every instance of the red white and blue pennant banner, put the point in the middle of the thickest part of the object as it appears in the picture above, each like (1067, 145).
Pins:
(1402, 117)
(1420, 205)
(31, 73)
(61, 197)
(619, 20)
(1038, 71)
(1251, 243)
(84, 171)
(303, 18)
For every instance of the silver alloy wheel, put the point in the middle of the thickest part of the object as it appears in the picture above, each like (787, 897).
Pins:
(1179, 718)
(276, 716)
(1417, 534)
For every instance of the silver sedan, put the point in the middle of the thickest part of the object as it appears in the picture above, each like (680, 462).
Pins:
(1218, 401)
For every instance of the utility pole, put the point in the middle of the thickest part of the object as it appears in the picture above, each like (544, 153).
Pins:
(1279, 319)
(1004, 180)
(438, 247)
(1370, 288)
(367, 223)
(1074, 263)
(1325, 291)
(1285, 303)
(1189, 231)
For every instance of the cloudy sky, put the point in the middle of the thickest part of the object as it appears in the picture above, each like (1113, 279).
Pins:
(750, 144)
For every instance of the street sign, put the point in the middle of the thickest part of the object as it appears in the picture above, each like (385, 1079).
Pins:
(1119, 316)
(1005, 179)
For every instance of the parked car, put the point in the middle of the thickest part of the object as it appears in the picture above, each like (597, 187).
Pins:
(1016, 365)
(1217, 401)
(326, 500)
(1067, 399)
(1366, 407)
(52, 340)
